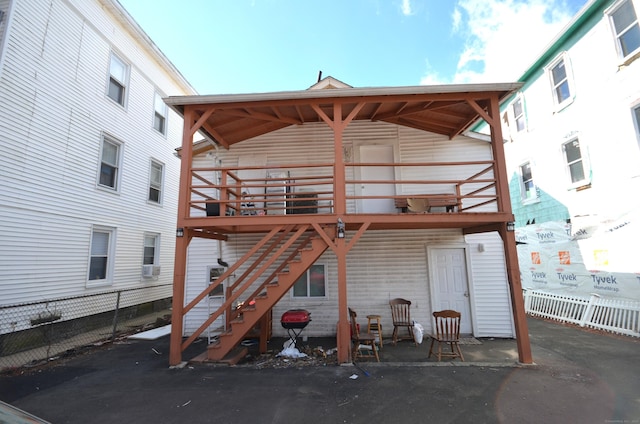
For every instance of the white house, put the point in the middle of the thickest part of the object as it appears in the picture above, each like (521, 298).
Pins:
(88, 174)
(572, 147)
(305, 200)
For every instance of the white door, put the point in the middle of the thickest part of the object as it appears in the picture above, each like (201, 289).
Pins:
(450, 285)
(378, 153)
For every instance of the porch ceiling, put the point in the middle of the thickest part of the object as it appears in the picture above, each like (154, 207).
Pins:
(445, 109)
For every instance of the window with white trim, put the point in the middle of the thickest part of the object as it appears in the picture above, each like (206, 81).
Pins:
(561, 81)
(518, 114)
(156, 177)
(575, 162)
(312, 284)
(110, 163)
(159, 114)
(118, 79)
(626, 29)
(102, 252)
(151, 249)
(527, 186)
(3, 27)
(636, 119)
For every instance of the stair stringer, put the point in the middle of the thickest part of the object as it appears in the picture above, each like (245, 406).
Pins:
(250, 316)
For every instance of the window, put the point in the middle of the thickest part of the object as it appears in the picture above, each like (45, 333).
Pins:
(151, 248)
(102, 241)
(518, 114)
(214, 273)
(528, 188)
(560, 74)
(109, 163)
(155, 182)
(159, 114)
(624, 22)
(3, 26)
(312, 283)
(575, 163)
(636, 118)
(118, 71)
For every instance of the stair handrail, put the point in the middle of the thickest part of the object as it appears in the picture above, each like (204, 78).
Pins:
(274, 274)
(230, 300)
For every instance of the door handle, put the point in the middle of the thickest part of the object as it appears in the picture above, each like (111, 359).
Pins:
(466, 294)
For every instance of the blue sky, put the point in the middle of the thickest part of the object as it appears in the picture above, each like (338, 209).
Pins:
(247, 46)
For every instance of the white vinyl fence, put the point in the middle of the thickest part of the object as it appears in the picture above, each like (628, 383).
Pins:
(612, 315)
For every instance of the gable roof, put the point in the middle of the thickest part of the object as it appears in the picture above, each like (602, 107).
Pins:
(443, 109)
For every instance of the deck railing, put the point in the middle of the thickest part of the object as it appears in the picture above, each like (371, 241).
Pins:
(310, 188)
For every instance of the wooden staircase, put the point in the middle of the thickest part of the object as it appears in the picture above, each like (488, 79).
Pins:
(250, 314)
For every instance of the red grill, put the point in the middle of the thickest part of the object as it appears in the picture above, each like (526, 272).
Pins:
(295, 319)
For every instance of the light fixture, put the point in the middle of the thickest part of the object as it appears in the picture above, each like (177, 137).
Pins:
(511, 226)
(340, 228)
(480, 247)
(179, 232)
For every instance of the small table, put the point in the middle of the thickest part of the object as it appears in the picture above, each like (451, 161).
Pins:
(374, 327)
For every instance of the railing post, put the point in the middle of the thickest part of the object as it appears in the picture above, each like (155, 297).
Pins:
(527, 300)
(588, 313)
(115, 317)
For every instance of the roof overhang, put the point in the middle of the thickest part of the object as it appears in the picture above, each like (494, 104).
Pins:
(443, 109)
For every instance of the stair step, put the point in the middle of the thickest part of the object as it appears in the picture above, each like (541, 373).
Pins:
(233, 357)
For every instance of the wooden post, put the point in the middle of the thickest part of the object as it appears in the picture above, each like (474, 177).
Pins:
(182, 242)
(508, 237)
(344, 336)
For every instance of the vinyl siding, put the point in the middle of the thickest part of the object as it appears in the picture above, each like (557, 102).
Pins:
(55, 110)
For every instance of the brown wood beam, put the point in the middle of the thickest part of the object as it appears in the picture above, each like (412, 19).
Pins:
(182, 243)
(517, 299)
(249, 113)
(217, 135)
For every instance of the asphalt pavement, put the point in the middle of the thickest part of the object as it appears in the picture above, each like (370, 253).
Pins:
(579, 376)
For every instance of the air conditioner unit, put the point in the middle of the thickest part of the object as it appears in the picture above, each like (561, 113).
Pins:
(147, 270)
(156, 270)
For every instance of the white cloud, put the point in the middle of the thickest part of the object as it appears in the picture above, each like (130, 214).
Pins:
(456, 18)
(432, 77)
(406, 7)
(503, 37)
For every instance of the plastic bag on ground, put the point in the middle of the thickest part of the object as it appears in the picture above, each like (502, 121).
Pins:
(418, 332)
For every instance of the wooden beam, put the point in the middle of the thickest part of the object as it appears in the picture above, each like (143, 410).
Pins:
(201, 120)
(249, 113)
(483, 114)
(182, 243)
(517, 299)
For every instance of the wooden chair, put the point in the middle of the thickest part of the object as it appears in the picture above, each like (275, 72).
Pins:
(401, 317)
(447, 331)
(361, 342)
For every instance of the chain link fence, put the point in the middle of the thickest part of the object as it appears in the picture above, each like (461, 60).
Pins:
(36, 332)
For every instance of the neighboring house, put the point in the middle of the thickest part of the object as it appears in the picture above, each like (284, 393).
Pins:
(88, 174)
(572, 136)
(307, 200)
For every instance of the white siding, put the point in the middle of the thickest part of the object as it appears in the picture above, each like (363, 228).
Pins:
(202, 254)
(491, 299)
(53, 97)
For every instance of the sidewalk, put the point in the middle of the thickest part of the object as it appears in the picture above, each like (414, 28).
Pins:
(579, 376)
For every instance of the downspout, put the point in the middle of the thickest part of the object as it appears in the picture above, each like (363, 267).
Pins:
(217, 162)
